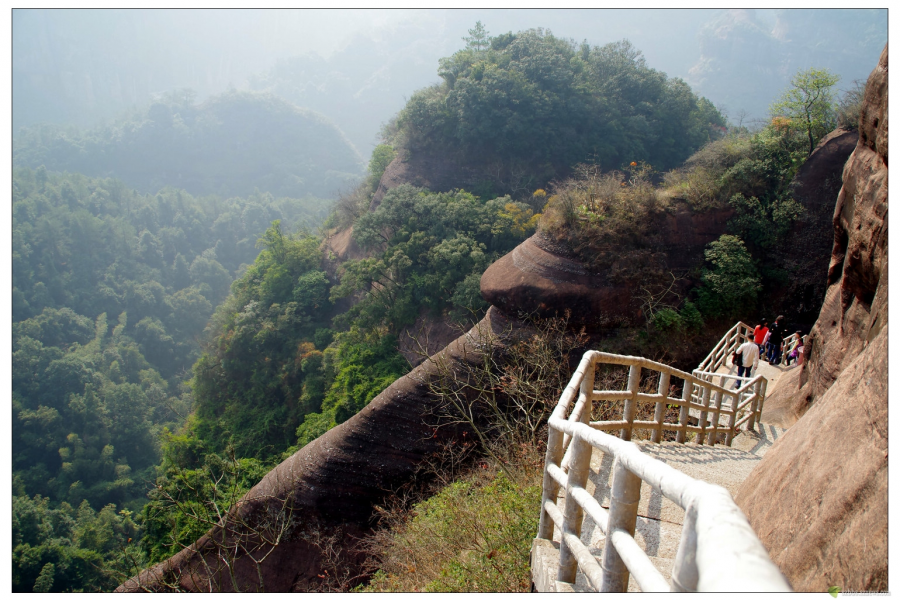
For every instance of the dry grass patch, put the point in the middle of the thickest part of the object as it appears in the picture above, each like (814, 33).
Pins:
(473, 536)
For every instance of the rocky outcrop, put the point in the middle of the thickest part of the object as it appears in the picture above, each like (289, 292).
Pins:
(544, 277)
(806, 253)
(442, 172)
(333, 482)
(343, 247)
(538, 278)
(420, 171)
(818, 499)
(853, 310)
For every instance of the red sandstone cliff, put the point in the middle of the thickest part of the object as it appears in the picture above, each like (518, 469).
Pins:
(818, 499)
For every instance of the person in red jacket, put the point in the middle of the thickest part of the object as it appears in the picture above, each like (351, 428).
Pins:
(759, 335)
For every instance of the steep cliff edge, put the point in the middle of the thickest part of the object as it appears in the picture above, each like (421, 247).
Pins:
(818, 499)
(335, 481)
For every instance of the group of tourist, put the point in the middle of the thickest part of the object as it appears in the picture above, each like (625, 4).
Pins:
(769, 344)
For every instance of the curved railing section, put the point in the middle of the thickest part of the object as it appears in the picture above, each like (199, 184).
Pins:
(718, 551)
(722, 351)
(733, 338)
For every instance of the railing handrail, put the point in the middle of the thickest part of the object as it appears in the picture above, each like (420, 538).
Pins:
(699, 393)
(725, 347)
(719, 550)
(730, 342)
(787, 344)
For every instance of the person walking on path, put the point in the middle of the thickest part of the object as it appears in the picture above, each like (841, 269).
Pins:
(776, 337)
(747, 357)
(759, 335)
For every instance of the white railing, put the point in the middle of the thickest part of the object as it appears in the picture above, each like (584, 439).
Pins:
(718, 551)
(788, 342)
(733, 338)
(722, 351)
(720, 409)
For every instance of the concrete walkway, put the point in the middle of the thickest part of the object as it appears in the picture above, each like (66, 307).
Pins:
(659, 522)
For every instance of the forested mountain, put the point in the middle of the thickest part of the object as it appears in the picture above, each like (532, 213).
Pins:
(230, 145)
(517, 110)
(112, 290)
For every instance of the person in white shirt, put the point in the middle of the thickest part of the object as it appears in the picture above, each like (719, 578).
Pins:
(747, 359)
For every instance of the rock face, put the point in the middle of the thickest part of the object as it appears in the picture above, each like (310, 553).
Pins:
(807, 253)
(535, 279)
(438, 174)
(854, 311)
(542, 276)
(334, 481)
(818, 499)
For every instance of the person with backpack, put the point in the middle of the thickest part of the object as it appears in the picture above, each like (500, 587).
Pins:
(776, 339)
(746, 357)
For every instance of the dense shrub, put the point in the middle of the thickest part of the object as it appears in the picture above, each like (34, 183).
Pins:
(732, 283)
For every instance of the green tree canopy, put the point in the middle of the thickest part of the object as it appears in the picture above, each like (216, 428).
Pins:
(732, 284)
(521, 109)
(809, 104)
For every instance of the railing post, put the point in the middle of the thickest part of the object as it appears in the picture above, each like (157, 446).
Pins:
(556, 443)
(660, 414)
(585, 404)
(751, 421)
(553, 456)
(704, 403)
(732, 417)
(729, 338)
(685, 408)
(573, 515)
(685, 575)
(634, 383)
(762, 398)
(717, 404)
(623, 504)
(587, 390)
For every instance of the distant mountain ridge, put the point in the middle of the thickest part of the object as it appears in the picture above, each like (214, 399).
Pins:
(747, 54)
(230, 145)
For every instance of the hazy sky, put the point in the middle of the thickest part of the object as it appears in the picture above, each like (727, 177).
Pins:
(82, 66)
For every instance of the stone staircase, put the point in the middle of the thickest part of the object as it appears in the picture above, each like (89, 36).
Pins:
(659, 525)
